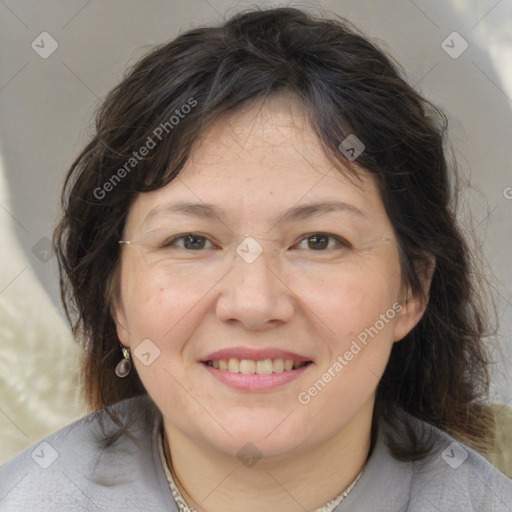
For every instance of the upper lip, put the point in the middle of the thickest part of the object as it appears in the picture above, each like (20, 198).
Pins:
(254, 354)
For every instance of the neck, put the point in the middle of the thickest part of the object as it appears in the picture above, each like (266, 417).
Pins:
(210, 481)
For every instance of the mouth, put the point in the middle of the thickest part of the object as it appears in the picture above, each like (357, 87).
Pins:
(258, 367)
(259, 370)
(256, 375)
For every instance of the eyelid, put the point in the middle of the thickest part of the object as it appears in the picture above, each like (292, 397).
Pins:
(170, 241)
(341, 241)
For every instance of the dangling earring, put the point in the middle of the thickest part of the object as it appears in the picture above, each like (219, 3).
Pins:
(124, 366)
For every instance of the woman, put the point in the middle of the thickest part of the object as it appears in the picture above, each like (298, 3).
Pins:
(259, 253)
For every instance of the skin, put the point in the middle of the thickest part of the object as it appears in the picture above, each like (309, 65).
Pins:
(256, 164)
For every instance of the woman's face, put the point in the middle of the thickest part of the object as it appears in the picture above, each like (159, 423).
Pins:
(266, 278)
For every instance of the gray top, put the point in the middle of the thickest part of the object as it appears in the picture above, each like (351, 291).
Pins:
(73, 470)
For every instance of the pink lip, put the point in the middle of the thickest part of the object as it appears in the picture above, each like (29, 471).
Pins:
(254, 354)
(254, 382)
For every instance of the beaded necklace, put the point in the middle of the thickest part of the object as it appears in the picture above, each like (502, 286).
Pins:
(183, 507)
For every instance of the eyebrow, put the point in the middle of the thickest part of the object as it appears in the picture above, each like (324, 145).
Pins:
(210, 211)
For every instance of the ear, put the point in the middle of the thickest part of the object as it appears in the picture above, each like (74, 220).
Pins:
(413, 306)
(116, 309)
(119, 318)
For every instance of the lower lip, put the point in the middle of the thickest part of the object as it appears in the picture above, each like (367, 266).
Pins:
(253, 381)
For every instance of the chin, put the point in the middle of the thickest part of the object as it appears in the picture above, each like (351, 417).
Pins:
(265, 433)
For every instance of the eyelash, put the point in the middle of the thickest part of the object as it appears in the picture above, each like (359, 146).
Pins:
(341, 242)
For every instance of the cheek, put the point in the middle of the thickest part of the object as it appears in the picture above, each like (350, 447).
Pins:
(168, 313)
(349, 302)
(153, 305)
(357, 351)
(357, 313)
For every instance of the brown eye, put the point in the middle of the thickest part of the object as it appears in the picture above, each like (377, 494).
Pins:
(322, 241)
(318, 242)
(194, 242)
(191, 242)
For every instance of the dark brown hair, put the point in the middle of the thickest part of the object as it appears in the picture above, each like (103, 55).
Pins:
(346, 85)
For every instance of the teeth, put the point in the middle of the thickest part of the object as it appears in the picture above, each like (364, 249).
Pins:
(278, 366)
(249, 366)
(264, 367)
(233, 365)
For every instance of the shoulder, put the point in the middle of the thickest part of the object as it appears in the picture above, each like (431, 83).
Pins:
(452, 477)
(456, 477)
(105, 460)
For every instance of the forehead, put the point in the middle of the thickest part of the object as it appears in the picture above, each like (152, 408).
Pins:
(262, 133)
(263, 157)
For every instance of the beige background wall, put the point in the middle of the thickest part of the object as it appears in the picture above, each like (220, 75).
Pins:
(46, 107)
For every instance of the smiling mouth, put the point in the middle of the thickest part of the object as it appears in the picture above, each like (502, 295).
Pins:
(249, 366)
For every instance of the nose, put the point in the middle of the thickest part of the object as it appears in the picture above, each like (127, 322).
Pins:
(255, 292)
